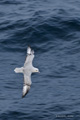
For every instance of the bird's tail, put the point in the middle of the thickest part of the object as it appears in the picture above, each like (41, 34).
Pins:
(18, 70)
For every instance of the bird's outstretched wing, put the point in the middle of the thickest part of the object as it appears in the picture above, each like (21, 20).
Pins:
(26, 86)
(25, 90)
(30, 56)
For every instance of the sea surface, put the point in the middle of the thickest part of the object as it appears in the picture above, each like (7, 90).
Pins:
(52, 29)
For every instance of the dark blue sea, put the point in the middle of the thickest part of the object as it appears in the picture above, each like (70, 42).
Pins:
(52, 29)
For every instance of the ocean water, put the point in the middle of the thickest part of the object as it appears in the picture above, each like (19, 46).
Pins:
(52, 29)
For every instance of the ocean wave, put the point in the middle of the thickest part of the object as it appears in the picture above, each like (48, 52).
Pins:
(8, 2)
(25, 33)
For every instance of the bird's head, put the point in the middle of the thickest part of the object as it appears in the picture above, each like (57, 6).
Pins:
(36, 70)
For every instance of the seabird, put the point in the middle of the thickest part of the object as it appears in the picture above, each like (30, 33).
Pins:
(27, 70)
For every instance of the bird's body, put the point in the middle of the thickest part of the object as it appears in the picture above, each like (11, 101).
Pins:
(27, 70)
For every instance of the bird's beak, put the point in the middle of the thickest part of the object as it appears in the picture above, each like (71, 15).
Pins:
(39, 72)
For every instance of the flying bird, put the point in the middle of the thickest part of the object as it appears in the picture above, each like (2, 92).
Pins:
(27, 70)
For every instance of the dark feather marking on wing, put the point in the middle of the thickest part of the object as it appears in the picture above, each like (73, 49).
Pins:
(25, 93)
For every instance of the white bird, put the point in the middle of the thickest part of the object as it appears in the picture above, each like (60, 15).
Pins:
(27, 70)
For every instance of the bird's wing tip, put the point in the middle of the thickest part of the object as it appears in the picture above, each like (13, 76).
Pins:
(29, 50)
(25, 90)
(22, 96)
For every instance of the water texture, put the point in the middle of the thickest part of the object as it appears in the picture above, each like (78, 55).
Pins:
(52, 29)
